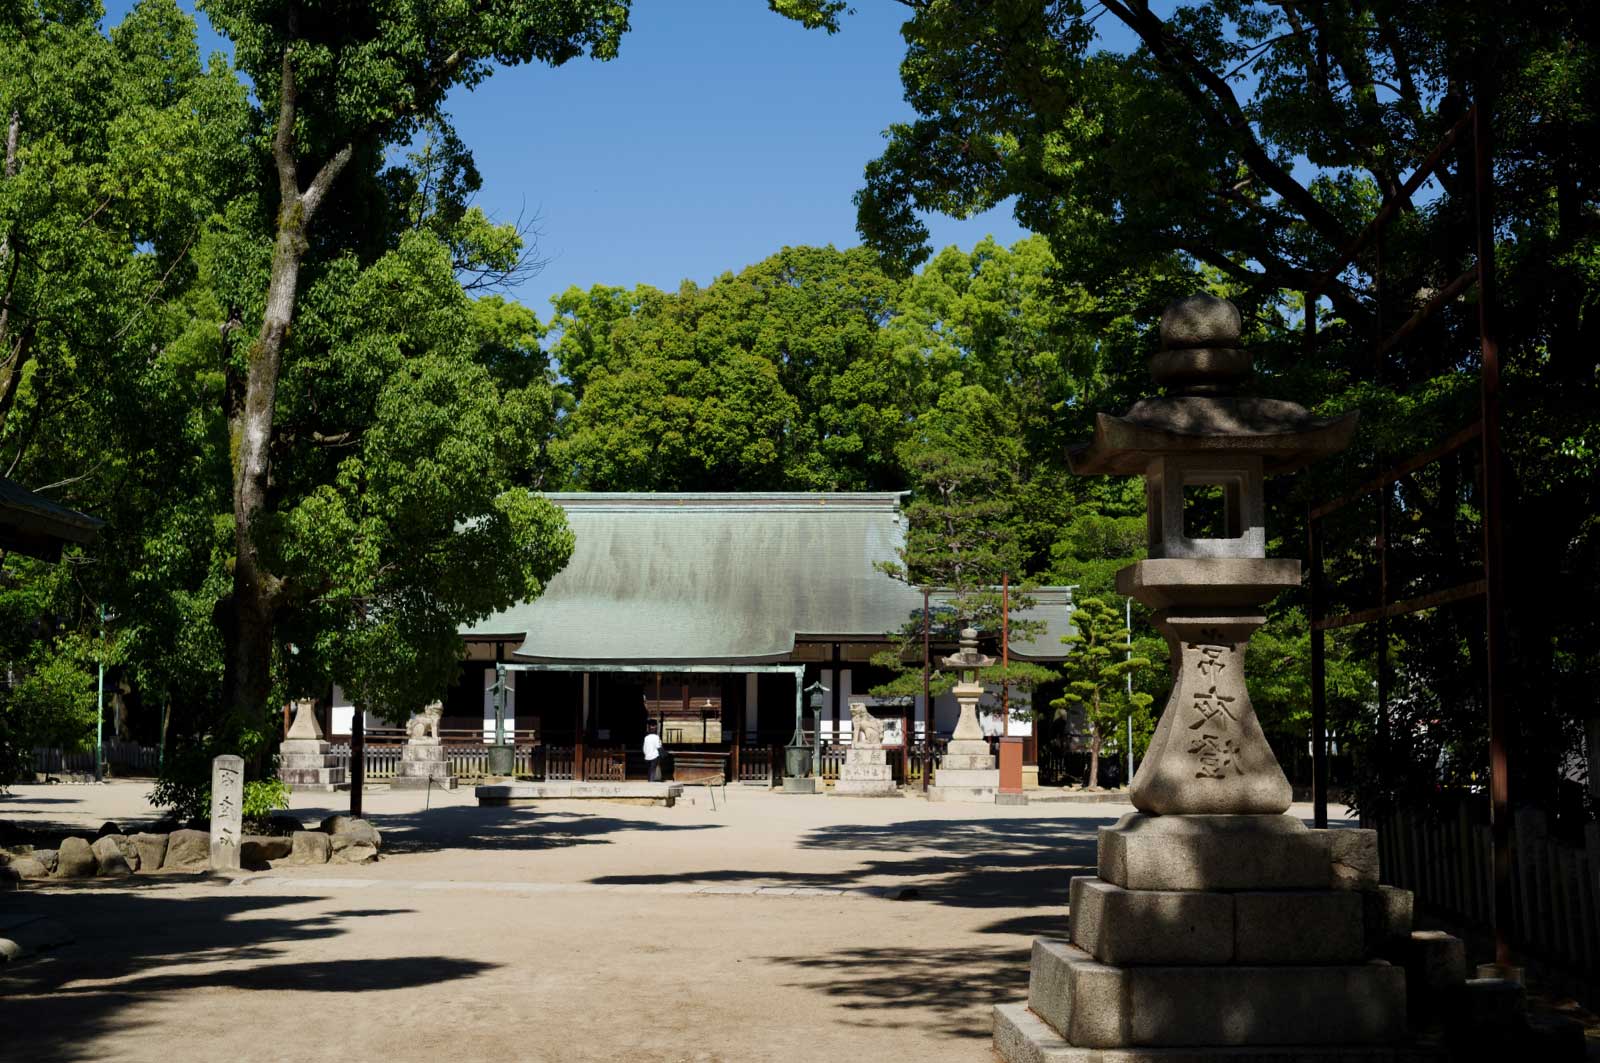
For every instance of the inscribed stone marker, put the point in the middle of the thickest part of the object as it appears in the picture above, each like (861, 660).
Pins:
(227, 811)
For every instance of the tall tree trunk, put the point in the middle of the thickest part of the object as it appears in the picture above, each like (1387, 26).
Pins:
(247, 676)
(15, 356)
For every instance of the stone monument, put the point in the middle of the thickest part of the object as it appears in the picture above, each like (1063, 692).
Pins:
(866, 771)
(967, 771)
(422, 761)
(304, 762)
(1217, 924)
(227, 811)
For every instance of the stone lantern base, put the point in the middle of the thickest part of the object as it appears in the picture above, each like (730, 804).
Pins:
(1219, 938)
(305, 762)
(966, 774)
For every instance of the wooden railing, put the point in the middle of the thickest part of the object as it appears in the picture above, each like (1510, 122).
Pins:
(1448, 863)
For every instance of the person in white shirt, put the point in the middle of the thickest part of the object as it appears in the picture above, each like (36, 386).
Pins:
(652, 752)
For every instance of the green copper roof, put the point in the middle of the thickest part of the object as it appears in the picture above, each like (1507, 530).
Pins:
(717, 578)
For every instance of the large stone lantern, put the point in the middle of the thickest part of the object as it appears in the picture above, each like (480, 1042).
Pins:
(967, 771)
(1204, 446)
(1217, 926)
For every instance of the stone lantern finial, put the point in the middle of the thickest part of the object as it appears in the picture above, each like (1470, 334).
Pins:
(1200, 352)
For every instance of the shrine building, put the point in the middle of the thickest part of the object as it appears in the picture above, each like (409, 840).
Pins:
(710, 613)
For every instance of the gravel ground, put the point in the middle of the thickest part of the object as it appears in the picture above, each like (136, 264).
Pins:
(772, 927)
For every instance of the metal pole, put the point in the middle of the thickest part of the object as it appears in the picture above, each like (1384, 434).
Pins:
(1319, 701)
(100, 706)
(927, 700)
(1493, 541)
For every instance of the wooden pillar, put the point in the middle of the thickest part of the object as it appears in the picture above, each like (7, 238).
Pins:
(582, 714)
(833, 695)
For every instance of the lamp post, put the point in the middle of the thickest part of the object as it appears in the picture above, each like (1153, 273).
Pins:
(502, 755)
(801, 762)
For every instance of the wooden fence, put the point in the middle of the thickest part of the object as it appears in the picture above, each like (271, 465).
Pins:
(123, 758)
(1448, 863)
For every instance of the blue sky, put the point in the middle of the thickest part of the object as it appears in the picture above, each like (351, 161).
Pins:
(720, 134)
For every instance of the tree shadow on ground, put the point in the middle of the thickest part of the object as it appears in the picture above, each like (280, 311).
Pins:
(960, 863)
(135, 945)
(878, 985)
(507, 829)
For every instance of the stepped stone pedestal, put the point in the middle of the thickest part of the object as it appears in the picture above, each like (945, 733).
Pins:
(967, 772)
(866, 771)
(1218, 929)
(422, 761)
(304, 762)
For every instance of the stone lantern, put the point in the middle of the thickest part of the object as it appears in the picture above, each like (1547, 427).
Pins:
(1216, 925)
(967, 771)
(1207, 580)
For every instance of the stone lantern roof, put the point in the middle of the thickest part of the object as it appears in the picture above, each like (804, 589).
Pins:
(1201, 366)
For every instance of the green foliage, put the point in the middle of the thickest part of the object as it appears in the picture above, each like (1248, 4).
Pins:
(184, 790)
(1097, 671)
(1237, 147)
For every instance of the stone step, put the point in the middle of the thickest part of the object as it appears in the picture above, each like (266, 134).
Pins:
(1099, 1005)
(989, 777)
(1020, 1036)
(1133, 927)
(1144, 852)
(967, 795)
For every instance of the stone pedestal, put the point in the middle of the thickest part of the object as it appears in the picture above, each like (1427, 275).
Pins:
(422, 761)
(304, 762)
(866, 773)
(1219, 935)
(803, 785)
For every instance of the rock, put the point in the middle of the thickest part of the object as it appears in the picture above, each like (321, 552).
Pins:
(28, 867)
(152, 850)
(309, 847)
(359, 828)
(108, 827)
(75, 859)
(10, 878)
(256, 851)
(17, 849)
(348, 850)
(283, 824)
(1436, 970)
(108, 856)
(188, 849)
(47, 857)
(130, 851)
(1387, 913)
